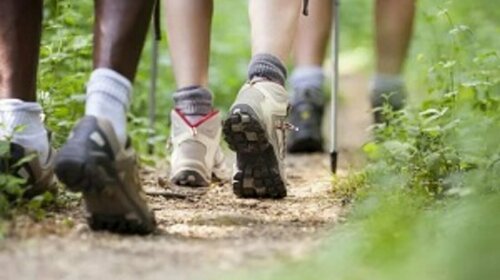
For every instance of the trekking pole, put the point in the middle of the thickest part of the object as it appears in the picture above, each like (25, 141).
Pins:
(154, 73)
(335, 85)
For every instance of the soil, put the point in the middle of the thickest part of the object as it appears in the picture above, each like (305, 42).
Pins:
(198, 234)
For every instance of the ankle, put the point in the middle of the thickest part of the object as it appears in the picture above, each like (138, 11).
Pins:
(22, 124)
(307, 83)
(108, 96)
(193, 102)
(385, 83)
(307, 77)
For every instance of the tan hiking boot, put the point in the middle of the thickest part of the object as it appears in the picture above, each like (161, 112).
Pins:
(196, 156)
(93, 162)
(24, 163)
(255, 130)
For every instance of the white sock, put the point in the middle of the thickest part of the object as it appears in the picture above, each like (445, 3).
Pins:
(21, 123)
(108, 96)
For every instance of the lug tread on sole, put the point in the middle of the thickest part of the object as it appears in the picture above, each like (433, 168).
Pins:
(258, 174)
(118, 224)
(189, 179)
(85, 175)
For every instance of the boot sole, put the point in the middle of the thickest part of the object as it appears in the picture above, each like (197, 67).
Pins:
(189, 179)
(110, 204)
(258, 174)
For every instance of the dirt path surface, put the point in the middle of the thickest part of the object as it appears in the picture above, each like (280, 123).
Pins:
(198, 234)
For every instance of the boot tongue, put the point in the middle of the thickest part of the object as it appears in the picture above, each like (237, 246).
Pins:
(196, 120)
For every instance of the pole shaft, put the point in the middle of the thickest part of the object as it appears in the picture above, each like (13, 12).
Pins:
(335, 45)
(155, 24)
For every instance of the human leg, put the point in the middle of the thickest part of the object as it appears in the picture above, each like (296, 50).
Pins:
(196, 129)
(119, 32)
(188, 26)
(394, 25)
(307, 79)
(257, 119)
(97, 159)
(20, 115)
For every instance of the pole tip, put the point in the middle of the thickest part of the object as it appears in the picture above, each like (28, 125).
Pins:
(333, 161)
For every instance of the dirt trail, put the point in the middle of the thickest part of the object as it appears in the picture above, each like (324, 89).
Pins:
(200, 234)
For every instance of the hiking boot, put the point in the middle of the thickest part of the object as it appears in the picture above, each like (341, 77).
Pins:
(24, 163)
(196, 156)
(94, 163)
(306, 116)
(254, 129)
(394, 98)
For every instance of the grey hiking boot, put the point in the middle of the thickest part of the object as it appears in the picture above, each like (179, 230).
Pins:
(24, 163)
(196, 156)
(95, 163)
(255, 130)
(306, 116)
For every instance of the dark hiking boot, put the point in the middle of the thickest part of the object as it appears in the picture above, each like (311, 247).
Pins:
(94, 163)
(306, 116)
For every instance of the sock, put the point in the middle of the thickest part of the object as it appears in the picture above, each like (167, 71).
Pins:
(307, 80)
(21, 122)
(390, 85)
(193, 102)
(108, 96)
(308, 77)
(267, 66)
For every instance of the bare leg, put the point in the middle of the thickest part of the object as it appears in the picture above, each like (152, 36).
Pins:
(274, 24)
(394, 21)
(188, 25)
(20, 29)
(313, 33)
(119, 33)
(307, 78)
(254, 128)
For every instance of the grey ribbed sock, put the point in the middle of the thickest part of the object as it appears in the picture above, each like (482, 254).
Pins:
(307, 83)
(193, 102)
(267, 66)
(307, 77)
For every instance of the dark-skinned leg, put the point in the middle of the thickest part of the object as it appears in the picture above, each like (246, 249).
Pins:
(96, 160)
(20, 29)
(119, 33)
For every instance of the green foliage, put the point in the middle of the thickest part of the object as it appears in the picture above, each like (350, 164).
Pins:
(12, 188)
(350, 187)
